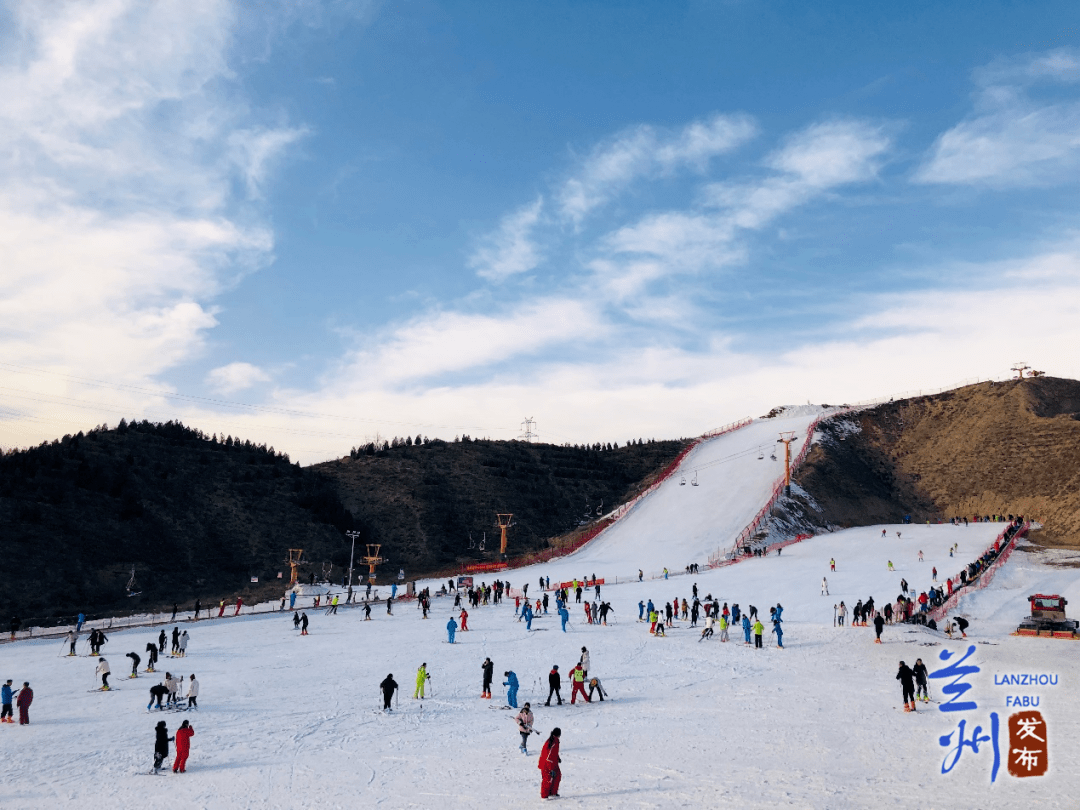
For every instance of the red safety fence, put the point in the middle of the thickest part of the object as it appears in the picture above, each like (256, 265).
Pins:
(985, 576)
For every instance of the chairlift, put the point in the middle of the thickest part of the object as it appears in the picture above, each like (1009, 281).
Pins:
(694, 482)
(600, 509)
(133, 584)
(773, 456)
(760, 454)
(483, 541)
(472, 543)
(683, 482)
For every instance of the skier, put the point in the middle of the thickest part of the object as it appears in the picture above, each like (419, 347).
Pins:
(511, 684)
(134, 663)
(388, 687)
(239, 604)
(221, 609)
(367, 611)
(907, 684)
(23, 701)
(759, 628)
(564, 615)
(464, 620)
(103, 671)
(389, 603)
(175, 641)
(594, 684)
(183, 644)
(161, 639)
(157, 693)
(152, 654)
(422, 678)
(841, 614)
(708, 631)
(451, 628)
(920, 681)
(303, 624)
(524, 722)
(933, 573)
(824, 587)
(161, 745)
(584, 661)
(183, 745)
(193, 693)
(962, 625)
(198, 607)
(554, 685)
(80, 623)
(551, 775)
(172, 684)
(920, 555)
(879, 625)
(489, 669)
(723, 628)
(891, 566)
(832, 561)
(640, 611)
(776, 628)
(577, 683)
(296, 620)
(6, 699)
(588, 613)
(72, 638)
(639, 575)
(528, 614)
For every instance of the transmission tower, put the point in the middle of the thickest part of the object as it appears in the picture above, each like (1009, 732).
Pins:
(528, 430)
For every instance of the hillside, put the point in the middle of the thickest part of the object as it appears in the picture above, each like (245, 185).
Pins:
(197, 517)
(422, 501)
(992, 448)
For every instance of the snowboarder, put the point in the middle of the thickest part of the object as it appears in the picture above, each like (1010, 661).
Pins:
(551, 775)
(489, 669)
(907, 685)
(879, 625)
(759, 628)
(6, 699)
(511, 684)
(824, 587)
(594, 683)
(103, 671)
(183, 745)
(577, 683)
(554, 685)
(451, 628)
(920, 681)
(161, 744)
(193, 693)
(388, 687)
(524, 722)
(134, 663)
(422, 678)
(584, 661)
(303, 624)
(23, 701)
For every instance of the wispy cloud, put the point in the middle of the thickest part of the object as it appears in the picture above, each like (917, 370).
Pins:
(644, 151)
(235, 377)
(1013, 138)
(510, 250)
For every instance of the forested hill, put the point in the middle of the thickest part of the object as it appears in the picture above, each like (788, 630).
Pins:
(198, 516)
(424, 499)
(195, 516)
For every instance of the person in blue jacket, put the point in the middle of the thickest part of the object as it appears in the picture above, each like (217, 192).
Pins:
(779, 610)
(451, 628)
(393, 591)
(528, 614)
(776, 628)
(564, 614)
(746, 628)
(640, 611)
(511, 684)
(6, 698)
(79, 624)
(649, 608)
(292, 601)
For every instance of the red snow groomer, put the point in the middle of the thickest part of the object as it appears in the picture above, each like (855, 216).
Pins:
(1048, 618)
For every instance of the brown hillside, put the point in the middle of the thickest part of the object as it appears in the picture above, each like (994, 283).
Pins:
(992, 448)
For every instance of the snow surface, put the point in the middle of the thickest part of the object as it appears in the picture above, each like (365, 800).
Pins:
(293, 722)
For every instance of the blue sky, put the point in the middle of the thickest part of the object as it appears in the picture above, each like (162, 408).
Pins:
(321, 222)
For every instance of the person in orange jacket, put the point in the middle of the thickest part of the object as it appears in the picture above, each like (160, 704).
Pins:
(577, 679)
(183, 745)
(550, 774)
(464, 619)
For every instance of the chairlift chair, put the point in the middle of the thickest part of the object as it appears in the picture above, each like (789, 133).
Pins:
(683, 482)
(760, 454)
(693, 483)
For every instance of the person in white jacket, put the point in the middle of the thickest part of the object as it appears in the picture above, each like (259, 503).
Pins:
(193, 693)
(824, 587)
(172, 684)
(103, 670)
(708, 631)
(584, 661)
(182, 643)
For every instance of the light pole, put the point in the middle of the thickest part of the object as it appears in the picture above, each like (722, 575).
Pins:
(352, 535)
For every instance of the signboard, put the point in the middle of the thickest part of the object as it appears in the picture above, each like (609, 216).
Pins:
(256, 579)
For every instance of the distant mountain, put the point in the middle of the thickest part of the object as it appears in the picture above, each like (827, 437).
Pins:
(992, 448)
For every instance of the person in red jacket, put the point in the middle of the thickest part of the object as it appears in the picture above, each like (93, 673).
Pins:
(239, 604)
(183, 745)
(550, 775)
(23, 701)
(464, 619)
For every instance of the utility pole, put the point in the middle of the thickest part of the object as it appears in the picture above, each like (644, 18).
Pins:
(352, 535)
(787, 437)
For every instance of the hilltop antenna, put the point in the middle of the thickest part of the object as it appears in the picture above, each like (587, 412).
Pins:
(1020, 368)
(528, 430)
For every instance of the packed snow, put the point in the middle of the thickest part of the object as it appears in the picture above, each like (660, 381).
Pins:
(291, 721)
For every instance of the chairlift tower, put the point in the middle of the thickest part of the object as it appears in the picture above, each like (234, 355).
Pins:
(372, 559)
(1020, 368)
(295, 558)
(504, 524)
(352, 535)
(787, 437)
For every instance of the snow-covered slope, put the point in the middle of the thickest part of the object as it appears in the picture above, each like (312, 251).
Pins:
(292, 722)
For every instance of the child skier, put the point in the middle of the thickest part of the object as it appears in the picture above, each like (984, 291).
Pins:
(524, 722)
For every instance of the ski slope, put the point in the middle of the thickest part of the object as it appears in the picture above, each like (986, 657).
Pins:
(680, 523)
(293, 722)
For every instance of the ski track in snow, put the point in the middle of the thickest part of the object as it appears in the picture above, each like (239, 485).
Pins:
(294, 722)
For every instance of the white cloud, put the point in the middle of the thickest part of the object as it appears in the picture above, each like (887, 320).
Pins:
(255, 149)
(1012, 139)
(646, 151)
(235, 377)
(510, 250)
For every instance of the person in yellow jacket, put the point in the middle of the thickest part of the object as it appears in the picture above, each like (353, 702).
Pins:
(723, 628)
(421, 678)
(654, 617)
(577, 678)
(759, 628)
